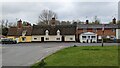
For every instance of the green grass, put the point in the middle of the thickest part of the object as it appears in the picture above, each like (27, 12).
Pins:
(83, 56)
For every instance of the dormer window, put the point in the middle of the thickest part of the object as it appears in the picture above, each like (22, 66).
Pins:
(58, 32)
(113, 30)
(46, 32)
(24, 32)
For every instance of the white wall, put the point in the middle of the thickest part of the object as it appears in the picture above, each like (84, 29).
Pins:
(68, 38)
(50, 38)
(53, 38)
(38, 37)
(117, 33)
(85, 40)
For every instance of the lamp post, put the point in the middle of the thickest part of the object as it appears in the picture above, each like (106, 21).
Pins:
(102, 35)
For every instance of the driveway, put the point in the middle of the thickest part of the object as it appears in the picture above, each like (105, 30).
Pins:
(25, 54)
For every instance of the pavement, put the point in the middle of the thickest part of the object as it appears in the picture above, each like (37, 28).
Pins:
(26, 54)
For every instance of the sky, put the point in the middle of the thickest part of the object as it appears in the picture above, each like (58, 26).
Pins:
(65, 10)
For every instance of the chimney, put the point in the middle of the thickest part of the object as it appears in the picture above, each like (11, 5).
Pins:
(87, 21)
(53, 21)
(19, 23)
(53, 18)
(114, 20)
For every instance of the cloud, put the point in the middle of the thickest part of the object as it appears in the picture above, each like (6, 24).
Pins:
(30, 11)
(59, 0)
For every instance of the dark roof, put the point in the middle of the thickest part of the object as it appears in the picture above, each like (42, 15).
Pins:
(64, 29)
(14, 31)
(97, 26)
(27, 29)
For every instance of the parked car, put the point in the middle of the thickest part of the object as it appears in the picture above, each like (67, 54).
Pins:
(8, 41)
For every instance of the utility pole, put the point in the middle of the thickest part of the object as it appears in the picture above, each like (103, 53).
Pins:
(103, 34)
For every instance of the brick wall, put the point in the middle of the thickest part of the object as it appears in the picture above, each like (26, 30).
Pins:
(107, 32)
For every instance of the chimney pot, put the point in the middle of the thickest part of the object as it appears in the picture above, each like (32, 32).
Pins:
(19, 24)
(114, 20)
(87, 21)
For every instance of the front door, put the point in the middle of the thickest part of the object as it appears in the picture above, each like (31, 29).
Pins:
(42, 39)
(63, 39)
(91, 40)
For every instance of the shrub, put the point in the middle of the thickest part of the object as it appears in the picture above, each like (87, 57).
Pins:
(75, 46)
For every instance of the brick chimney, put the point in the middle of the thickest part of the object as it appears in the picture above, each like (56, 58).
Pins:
(87, 21)
(52, 22)
(114, 20)
(19, 23)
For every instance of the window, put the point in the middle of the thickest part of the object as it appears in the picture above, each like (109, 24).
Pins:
(85, 30)
(23, 38)
(71, 38)
(92, 36)
(46, 32)
(108, 37)
(24, 32)
(58, 32)
(113, 30)
(88, 37)
(57, 38)
(35, 38)
(47, 38)
(99, 37)
(84, 37)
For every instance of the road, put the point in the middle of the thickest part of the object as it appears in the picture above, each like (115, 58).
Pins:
(25, 54)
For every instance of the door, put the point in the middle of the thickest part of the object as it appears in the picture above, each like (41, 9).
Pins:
(42, 39)
(63, 39)
(87, 40)
(91, 40)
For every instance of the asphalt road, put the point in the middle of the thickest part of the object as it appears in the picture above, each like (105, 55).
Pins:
(25, 54)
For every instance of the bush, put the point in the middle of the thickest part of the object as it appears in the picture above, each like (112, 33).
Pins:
(118, 40)
(75, 46)
(107, 40)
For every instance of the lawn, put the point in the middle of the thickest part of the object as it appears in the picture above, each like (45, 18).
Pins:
(83, 56)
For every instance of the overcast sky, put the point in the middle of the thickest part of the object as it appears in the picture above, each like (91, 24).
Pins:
(29, 11)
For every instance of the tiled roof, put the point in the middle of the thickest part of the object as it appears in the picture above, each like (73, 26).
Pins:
(97, 26)
(14, 31)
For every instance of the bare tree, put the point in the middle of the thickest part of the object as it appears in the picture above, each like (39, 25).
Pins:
(46, 16)
(11, 24)
(4, 23)
(97, 20)
(4, 26)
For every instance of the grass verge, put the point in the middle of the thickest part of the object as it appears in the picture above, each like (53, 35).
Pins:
(82, 56)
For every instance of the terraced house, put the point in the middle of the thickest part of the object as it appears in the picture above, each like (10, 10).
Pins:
(54, 32)
(20, 33)
(94, 32)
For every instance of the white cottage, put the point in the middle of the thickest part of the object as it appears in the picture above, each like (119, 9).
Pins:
(53, 32)
(88, 37)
